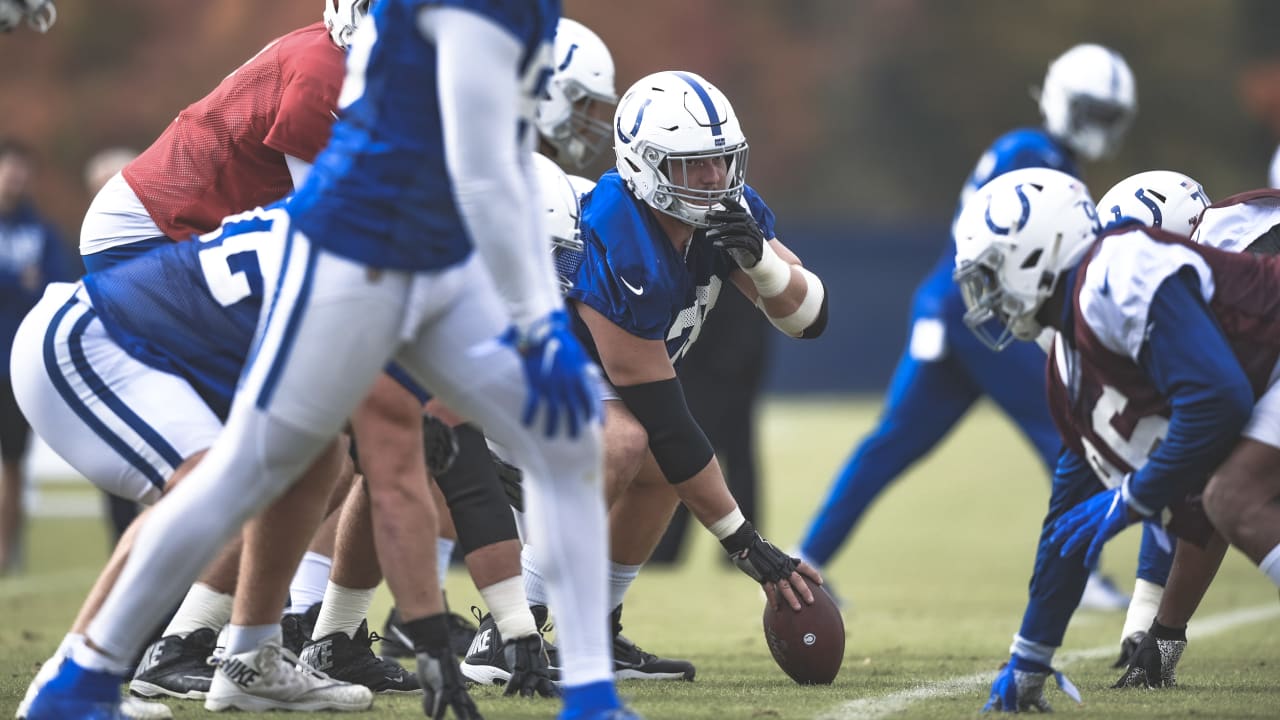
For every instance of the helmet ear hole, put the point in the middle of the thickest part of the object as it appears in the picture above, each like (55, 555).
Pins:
(1032, 258)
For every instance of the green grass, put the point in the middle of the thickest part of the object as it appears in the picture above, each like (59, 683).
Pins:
(936, 578)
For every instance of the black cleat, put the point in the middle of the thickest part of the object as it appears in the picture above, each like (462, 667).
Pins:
(295, 628)
(177, 667)
(397, 643)
(486, 661)
(1128, 647)
(632, 663)
(352, 660)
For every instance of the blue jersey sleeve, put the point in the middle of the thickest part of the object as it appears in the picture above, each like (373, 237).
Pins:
(1190, 362)
(521, 19)
(760, 211)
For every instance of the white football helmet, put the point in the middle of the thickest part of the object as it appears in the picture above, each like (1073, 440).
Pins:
(674, 124)
(1015, 237)
(1088, 100)
(1156, 198)
(342, 17)
(559, 200)
(574, 115)
(39, 14)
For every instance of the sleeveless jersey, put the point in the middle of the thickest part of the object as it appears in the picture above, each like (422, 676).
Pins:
(225, 153)
(380, 192)
(1234, 223)
(632, 274)
(1104, 405)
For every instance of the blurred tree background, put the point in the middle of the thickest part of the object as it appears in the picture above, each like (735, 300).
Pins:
(860, 113)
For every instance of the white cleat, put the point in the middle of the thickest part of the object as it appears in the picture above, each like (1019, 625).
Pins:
(271, 678)
(1102, 594)
(130, 707)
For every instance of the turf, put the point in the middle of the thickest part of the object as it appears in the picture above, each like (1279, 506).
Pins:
(934, 582)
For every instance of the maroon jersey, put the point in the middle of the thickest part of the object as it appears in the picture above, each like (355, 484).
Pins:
(1104, 405)
(225, 153)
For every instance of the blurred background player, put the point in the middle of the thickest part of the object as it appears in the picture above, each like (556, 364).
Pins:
(31, 256)
(1087, 103)
(39, 14)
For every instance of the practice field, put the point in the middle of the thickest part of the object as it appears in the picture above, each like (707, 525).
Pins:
(934, 585)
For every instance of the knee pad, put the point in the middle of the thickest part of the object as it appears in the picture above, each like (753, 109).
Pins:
(474, 493)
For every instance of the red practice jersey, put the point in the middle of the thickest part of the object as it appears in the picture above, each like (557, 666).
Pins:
(225, 153)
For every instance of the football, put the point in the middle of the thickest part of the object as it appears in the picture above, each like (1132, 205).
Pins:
(807, 645)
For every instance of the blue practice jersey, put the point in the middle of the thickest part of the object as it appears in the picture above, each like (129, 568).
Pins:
(191, 308)
(632, 274)
(379, 193)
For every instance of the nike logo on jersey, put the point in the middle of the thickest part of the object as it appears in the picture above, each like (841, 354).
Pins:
(632, 288)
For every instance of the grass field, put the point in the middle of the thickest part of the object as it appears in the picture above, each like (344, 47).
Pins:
(936, 580)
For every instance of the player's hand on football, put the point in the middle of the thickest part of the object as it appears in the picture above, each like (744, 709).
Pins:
(735, 231)
(1089, 525)
(443, 688)
(531, 672)
(563, 384)
(781, 575)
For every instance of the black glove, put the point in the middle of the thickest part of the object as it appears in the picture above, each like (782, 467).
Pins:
(531, 672)
(512, 482)
(1128, 647)
(1154, 663)
(439, 443)
(736, 232)
(443, 687)
(757, 557)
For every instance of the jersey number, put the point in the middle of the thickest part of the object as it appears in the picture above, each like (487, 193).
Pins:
(231, 268)
(1134, 448)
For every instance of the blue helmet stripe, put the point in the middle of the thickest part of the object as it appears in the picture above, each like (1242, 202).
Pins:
(712, 116)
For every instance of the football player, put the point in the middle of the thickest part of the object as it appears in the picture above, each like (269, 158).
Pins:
(360, 284)
(1246, 222)
(1158, 370)
(661, 235)
(33, 256)
(1087, 102)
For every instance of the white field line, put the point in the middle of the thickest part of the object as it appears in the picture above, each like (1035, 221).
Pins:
(886, 705)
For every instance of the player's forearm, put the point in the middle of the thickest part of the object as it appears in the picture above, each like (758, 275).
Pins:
(793, 298)
(1191, 363)
(479, 101)
(707, 496)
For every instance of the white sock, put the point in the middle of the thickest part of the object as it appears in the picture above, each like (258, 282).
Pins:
(1271, 565)
(342, 610)
(203, 607)
(535, 589)
(307, 587)
(90, 659)
(1142, 607)
(444, 553)
(506, 602)
(620, 579)
(245, 638)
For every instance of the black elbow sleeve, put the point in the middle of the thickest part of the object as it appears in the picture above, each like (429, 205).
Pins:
(677, 442)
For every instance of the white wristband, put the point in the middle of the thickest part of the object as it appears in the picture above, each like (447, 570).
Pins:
(727, 525)
(771, 275)
(800, 320)
(1131, 501)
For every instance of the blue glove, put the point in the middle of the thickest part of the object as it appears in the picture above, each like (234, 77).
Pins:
(1091, 524)
(560, 376)
(1020, 687)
